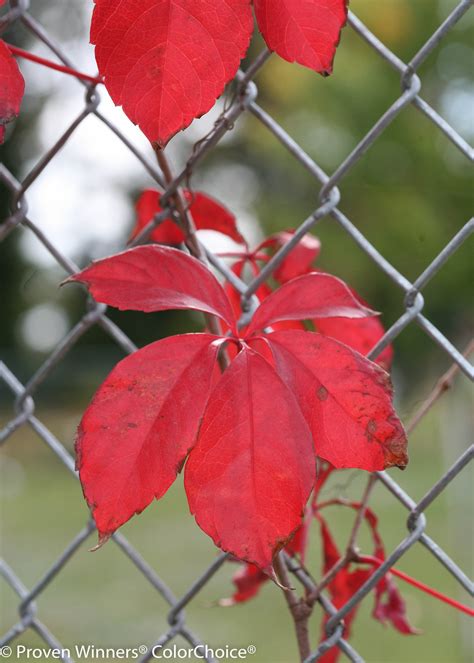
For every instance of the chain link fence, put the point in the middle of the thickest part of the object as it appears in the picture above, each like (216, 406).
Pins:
(330, 204)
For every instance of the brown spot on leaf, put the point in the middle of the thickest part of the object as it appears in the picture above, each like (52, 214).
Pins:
(322, 393)
(370, 430)
(395, 449)
(384, 380)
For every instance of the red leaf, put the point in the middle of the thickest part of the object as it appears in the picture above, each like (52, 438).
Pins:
(207, 214)
(247, 580)
(299, 261)
(12, 88)
(155, 278)
(299, 543)
(235, 299)
(141, 424)
(166, 61)
(390, 607)
(147, 206)
(305, 31)
(361, 335)
(314, 295)
(252, 469)
(346, 399)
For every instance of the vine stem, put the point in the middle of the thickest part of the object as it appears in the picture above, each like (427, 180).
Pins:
(369, 559)
(299, 609)
(26, 55)
(191, 240)
(444, 383)
(351, 546)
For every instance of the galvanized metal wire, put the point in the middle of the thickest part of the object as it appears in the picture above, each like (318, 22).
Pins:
(330, 203)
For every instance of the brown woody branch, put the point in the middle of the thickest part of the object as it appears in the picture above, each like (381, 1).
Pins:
(299, 609)
(444, 384)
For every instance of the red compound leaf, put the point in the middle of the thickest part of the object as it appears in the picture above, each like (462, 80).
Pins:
(207, 213)
(303, 31)
(12, 88)
(166, 61)
(135, 435)
(249, 431)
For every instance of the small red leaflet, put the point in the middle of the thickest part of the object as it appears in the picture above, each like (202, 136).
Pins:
(251, 434)
(12, 88)
(166, 61)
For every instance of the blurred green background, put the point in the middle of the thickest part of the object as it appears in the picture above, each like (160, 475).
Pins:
(409, 195)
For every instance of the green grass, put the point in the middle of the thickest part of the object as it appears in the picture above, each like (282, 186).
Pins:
(102, 599)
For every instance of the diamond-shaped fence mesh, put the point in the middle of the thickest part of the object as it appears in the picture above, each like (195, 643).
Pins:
(330, 204)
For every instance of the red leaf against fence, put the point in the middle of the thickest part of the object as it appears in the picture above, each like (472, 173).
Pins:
(314, 295)
(135, 435)
(346, 399)
(207, 213)
(12, 88)
(307, 32)
(247, 580)
(300, 259)
(360, 334)
(390, 607)
(166, 61)
(155, 278)
(252, 462)
(253, 466)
